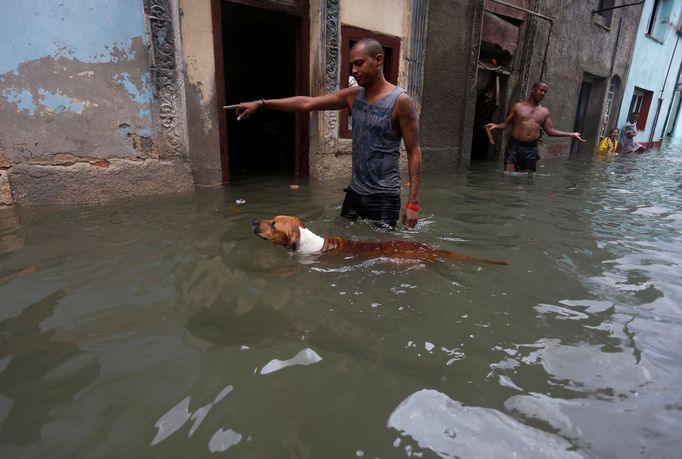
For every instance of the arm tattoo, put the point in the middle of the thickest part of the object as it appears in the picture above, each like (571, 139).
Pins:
(408, 117)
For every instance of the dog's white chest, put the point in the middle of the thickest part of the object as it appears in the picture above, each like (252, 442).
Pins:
(309, 242)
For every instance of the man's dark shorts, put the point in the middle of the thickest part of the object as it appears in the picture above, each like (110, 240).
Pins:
(523, 155)
(382, 208)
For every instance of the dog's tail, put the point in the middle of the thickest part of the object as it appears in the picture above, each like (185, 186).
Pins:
(459, 256)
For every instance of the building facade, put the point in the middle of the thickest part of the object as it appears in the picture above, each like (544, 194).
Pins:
(651, 87)
(583, 52)
(103, 99)
(87, 112)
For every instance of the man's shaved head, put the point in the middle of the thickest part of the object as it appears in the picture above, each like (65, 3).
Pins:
(370, 45)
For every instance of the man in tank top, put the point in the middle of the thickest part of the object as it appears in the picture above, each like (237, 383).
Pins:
(383, 116)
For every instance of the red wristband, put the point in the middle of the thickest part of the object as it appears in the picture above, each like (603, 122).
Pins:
(412, 206)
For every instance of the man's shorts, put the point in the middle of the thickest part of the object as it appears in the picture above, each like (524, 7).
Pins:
(380, 207)
(523, 155)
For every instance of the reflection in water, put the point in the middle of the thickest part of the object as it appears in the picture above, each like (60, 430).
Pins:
(50, 372)
(177, 416)
(124, 327)
(223, 440)
(443, 425)
(306, 357)
(11, 238)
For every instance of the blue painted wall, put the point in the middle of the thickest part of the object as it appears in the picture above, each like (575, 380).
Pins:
(74, 78)
(655, 63)
(85, 30)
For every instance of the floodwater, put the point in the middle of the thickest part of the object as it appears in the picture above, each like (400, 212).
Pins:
(164, 328)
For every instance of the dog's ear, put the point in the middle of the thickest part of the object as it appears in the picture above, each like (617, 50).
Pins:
(294, 239)
(280, 238)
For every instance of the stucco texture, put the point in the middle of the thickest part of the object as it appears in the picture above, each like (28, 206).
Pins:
(581, 49)
(76, 93)
(200, 84)
(445, 140)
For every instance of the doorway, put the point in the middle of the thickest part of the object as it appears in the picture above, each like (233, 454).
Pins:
(581, 112)
(264, 53)
(587, 115)
(499, 53)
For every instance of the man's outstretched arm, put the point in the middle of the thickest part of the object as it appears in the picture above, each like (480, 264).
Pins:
(548, 127)
(504, 124)
(334, 101)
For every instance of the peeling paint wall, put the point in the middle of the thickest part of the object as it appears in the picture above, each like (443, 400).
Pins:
(76, 98)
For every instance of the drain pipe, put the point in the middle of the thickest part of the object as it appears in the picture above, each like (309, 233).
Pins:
(616, 7)
(541, 16)
(605, 119)
(660, 95)
(676, 92)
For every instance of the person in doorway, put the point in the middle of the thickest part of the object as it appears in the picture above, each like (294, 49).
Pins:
(627, 141)
(609, 145)
(526, 119)
(383, 115)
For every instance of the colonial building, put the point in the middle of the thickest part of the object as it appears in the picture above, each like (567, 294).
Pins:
(102, 99)
(583, 51)
(651, 86)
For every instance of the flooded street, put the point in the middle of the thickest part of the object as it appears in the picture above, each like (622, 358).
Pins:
(163, 327)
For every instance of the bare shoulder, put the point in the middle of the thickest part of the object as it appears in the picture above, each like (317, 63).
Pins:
(349, 92)
(519, 106)
(348, 95)
(405, 106)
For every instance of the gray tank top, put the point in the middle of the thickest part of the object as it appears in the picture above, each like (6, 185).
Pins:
(376, 149)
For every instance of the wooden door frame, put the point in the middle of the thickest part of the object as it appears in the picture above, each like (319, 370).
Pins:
(300, 9)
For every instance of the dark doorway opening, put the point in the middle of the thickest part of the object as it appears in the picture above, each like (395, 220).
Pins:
(260, 61)
(581, 112)
(491, 89)
(498, 47)
(588, 117)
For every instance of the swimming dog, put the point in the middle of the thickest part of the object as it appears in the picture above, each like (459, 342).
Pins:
(291, 232)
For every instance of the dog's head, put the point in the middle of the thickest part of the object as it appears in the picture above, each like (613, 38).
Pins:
(281, 230)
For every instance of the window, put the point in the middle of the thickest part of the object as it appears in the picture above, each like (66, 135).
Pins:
(605, 15)
(639, 105)
(349, 36)
(659, 19)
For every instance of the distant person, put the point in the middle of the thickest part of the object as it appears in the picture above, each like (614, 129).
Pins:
(609, 145)
(526, 119)
(627, 140)
(383, 115)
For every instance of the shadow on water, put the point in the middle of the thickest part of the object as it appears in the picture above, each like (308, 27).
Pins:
(163, 327)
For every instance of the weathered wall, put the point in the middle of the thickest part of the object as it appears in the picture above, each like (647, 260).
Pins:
(76, 104)
(385, 16)
(653, 61)
(200, 84)
(580, 44)
(449, 77)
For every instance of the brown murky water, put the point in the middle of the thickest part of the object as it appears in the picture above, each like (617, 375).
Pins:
(165, 328)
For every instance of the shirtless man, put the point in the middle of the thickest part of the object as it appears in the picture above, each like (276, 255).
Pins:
(526, 119)
(383, 115)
